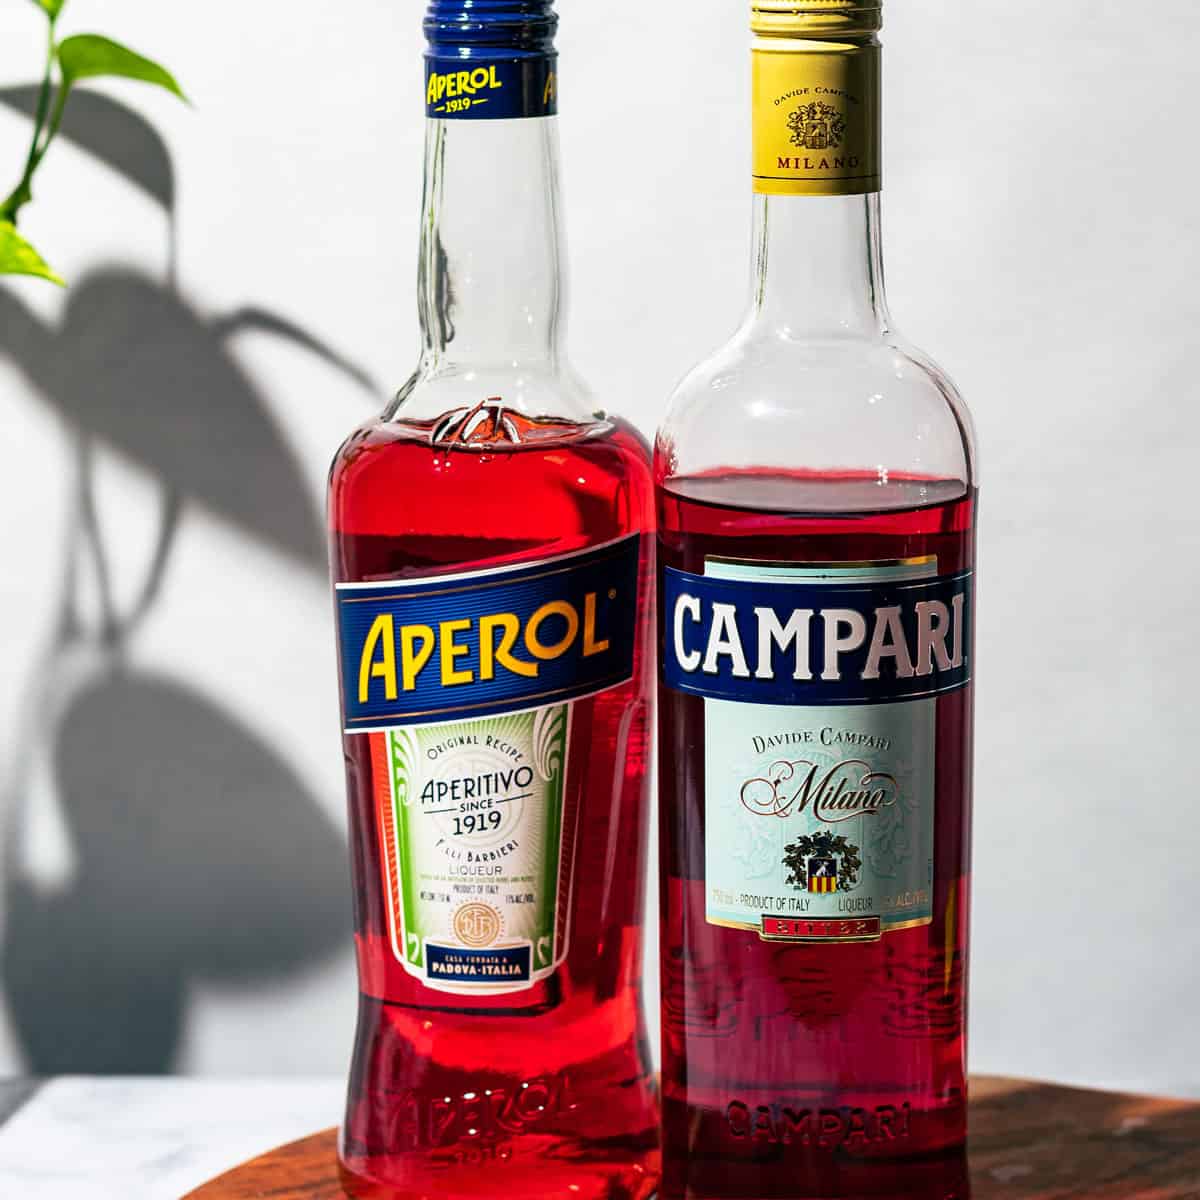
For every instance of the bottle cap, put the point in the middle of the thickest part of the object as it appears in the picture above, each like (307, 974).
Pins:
(512, 28)
(815, 18)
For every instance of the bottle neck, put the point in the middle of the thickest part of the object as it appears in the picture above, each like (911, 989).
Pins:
(817, 155)
(491, 291)
(818, 267)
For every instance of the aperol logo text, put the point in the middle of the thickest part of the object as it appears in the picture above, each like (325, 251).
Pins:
(463, 646)
(467, 650)
(462, 83)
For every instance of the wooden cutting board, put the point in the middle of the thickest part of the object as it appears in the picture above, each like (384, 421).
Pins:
(1029, 1141)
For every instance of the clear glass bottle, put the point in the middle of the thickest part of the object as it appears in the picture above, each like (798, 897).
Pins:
(491, 544)
(816, 492)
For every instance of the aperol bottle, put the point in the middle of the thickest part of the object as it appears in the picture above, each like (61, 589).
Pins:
(492, 547)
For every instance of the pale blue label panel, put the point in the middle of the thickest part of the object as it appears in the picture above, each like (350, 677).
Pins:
(819, 818)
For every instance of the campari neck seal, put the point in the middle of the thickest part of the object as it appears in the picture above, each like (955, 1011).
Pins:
(817, 84)
(815, 18)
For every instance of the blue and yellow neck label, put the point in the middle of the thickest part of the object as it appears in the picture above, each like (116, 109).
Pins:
(482, 90)
(456, 647)
(490, 60)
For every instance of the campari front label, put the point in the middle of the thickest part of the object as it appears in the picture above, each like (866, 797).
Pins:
(819, 684)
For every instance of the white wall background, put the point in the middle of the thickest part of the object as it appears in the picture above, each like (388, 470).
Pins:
(1043, 243)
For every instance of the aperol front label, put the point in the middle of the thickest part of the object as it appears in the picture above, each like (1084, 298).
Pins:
(466, 685)
(820, 685)
(477, 837)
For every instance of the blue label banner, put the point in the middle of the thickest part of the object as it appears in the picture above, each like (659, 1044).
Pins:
(788, 636)
(503, 964)
(490, 89)
(416, 652)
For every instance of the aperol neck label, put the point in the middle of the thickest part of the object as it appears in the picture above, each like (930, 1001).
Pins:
(816, 119)
(819, 685)
(491, 89)
(478, 848)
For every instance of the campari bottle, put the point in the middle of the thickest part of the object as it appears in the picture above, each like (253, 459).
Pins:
(492, 547)
(816, 491)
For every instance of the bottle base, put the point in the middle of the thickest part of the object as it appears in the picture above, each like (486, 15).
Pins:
(552, 1172)
(944, 1176)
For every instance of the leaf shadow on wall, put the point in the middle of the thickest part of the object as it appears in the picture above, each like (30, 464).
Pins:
(197, 852)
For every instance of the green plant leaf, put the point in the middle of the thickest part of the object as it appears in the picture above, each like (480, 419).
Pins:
(50, 7)
(88, 56)
(18, 257)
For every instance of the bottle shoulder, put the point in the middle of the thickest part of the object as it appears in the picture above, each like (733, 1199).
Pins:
(524, 486)
(467, 438)
(766, 399)
(494, 410)
(547, 386)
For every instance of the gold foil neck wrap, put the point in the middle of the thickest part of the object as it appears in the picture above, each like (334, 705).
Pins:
(816, 117)
(815, 18)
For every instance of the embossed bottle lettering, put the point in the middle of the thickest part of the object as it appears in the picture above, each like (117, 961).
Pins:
(825, 1128)
(490, 1114)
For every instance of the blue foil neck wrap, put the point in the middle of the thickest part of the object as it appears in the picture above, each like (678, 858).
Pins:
(525, 26)
(491, 59)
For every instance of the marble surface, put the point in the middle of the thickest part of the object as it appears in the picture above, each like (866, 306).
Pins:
(150, 1139)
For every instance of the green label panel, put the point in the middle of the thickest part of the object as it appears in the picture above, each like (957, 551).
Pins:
(474, 822)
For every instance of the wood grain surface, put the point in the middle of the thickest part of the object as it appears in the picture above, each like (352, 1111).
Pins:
(1029, 1141)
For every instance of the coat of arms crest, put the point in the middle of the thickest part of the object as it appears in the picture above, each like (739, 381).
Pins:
(822, 862)
(817, 126)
